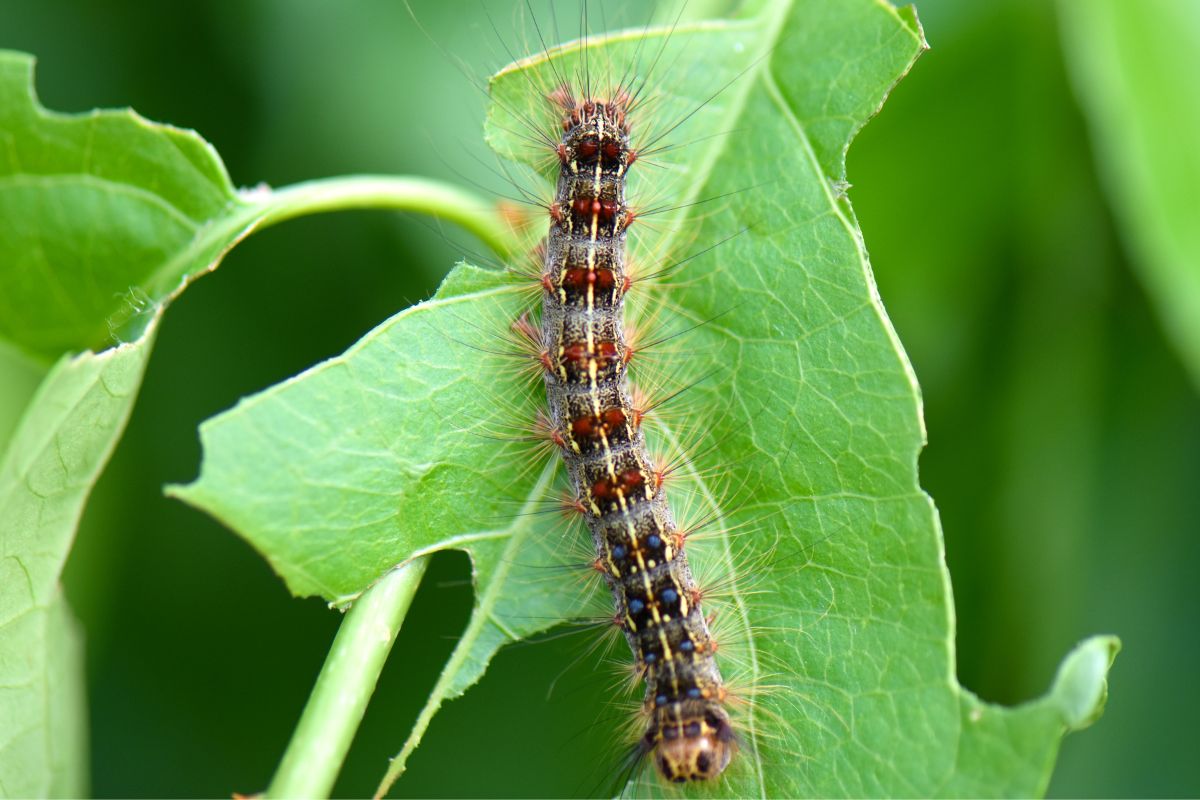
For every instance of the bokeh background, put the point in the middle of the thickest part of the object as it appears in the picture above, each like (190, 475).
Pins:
(1064, 433)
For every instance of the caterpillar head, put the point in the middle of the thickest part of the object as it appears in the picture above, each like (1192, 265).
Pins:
(696, 748)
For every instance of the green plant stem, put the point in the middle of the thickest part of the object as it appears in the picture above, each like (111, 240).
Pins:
(400, 193)
(261, 207)
(338, 700)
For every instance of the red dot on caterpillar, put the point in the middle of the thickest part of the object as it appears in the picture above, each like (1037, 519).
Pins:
(584, 427)
(588, 207)
(575, 278)
(631, 479)
(587, 149)
(577, 352)
(603, 489)
(603, 279)
(590, 427)
(613, 417)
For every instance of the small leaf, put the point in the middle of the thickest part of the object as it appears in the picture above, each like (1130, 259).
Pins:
(103, 212)
(53, 460)
(1135, 68)
(93, 206)
(107, 217)
(1081, 688)
(389, 450)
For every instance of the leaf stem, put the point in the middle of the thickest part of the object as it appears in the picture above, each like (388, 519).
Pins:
(261, 207)
(400, 193)
(338, 700)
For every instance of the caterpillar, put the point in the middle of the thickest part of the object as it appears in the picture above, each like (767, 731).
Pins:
(597, 111)
(639, 549)
(594, 417)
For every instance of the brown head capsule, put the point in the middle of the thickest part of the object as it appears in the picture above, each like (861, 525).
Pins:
(700, 759)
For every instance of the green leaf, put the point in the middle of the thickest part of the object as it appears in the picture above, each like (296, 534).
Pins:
(19, 379)
(389, 450)
(64, 439)
(93, 206)
(101, 209)
(1134, 67)
(48, 755)
(106, 217)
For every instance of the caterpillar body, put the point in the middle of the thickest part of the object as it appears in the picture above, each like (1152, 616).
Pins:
(638, 546)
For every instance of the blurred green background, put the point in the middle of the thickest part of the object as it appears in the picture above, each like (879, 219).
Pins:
(1064, 433)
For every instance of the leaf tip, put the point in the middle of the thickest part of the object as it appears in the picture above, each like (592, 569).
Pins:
(179, 491)
(18, 61)
(908, 17)
(1081, 686)
(195, 494)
